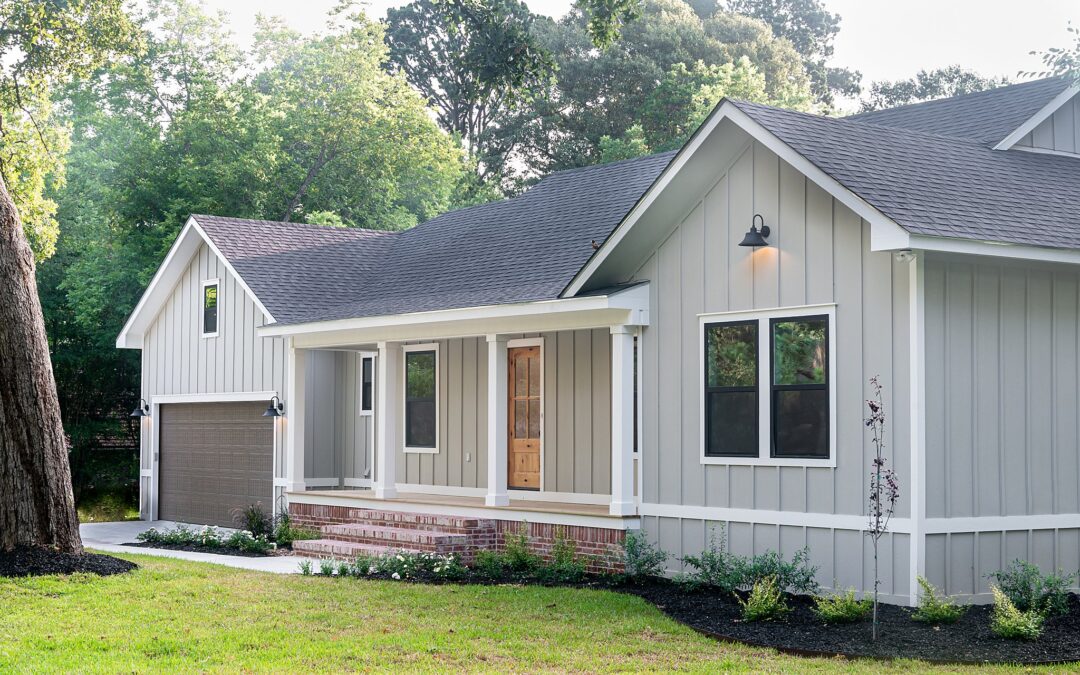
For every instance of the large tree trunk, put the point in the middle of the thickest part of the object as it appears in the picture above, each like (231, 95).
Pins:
(36, 504)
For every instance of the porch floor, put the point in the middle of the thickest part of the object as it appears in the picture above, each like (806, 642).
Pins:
(452, 501)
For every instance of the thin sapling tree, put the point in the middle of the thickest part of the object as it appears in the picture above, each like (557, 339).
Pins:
(884, 487)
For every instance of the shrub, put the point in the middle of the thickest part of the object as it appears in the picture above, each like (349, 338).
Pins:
(1008, 621)
(935, 609)
(207, 537)
(326, 567)
(305, 568)
(564, 566)
(1029, 589)
(516, 553)
(842, 607)
(285, 533)
(765, 603)
(641, 559)
(715, 566)
(796, 576)
(243, 541)
(255, 520)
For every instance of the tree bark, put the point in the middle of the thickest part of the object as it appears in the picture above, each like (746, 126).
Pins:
(36, 503)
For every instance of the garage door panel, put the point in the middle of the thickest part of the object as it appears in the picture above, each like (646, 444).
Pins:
(215, 458)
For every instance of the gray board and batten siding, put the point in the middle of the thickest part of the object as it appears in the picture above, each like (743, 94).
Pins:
(1059, 132)
(819, 253)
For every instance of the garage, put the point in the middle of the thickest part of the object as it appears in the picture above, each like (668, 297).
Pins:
(214, 458)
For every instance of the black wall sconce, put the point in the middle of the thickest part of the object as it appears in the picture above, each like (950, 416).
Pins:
(756, 237)
(142, 411)
(275, 408)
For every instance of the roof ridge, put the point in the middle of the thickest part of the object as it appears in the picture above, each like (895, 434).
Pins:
(606, 165)
(297, 225)
(969, 95)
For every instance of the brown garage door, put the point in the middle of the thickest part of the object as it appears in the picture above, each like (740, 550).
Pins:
(214, 459)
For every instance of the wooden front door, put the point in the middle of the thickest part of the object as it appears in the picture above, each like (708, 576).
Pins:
(524, 418)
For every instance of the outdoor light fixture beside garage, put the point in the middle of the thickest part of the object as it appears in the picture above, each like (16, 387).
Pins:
(275, 408)
(142, 411)
(756, 237)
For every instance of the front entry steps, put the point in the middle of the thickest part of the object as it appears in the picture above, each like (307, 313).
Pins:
(376, 532)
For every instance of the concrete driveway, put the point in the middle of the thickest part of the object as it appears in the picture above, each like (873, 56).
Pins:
(109, 537)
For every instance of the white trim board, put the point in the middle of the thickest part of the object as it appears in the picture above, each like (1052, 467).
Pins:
(1038, 118)
(223, 397)
(831, 521)
(165, 279)
(513, 512)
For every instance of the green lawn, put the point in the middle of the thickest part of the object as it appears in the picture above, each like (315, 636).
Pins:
(173, 615)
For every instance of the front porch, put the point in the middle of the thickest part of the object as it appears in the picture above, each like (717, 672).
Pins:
(457, 414)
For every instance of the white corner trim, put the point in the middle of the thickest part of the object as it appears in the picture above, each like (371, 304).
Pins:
(885, 227)
(917, 417)
(202, 308)
(832, 521)
(405, 350)
(1038, 118)
(764, 384)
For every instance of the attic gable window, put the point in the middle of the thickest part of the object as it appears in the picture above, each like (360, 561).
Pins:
(210, 302)
(767, 387)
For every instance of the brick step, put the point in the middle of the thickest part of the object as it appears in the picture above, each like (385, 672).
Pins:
(452, 524)
(368, 533)
(332, 548)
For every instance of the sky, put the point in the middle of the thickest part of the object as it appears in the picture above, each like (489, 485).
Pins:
(884, 39)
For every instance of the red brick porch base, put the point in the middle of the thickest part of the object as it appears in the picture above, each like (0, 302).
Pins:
(599, 547)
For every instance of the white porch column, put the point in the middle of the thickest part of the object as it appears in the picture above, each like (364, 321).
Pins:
(496, 417)
(622, 421)
(388, 416)
(295, 414)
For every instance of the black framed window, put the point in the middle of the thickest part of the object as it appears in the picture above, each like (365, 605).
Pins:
(210, 309)
(367, 380)
(731, 389)
(800, 387)
(420, 413)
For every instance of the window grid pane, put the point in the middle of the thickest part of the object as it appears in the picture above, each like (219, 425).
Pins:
(800, 387)
(731, 395)
(420, 409)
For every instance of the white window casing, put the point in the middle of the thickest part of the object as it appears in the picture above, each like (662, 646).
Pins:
(202, 308)
(764, 376)
(406, 349)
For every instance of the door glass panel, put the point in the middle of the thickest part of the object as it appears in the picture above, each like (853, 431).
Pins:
(534, 418)
(521, 419)
(521, 376)
(534, 375)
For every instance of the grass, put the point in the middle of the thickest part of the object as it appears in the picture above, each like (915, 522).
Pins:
(107, 508)
(174, 615)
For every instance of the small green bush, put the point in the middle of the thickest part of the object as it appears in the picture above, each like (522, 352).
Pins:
(641, 560)
(255, 520)
(207, 537)
(765, 602)
(305, 568)
(1008, 621)
(285, 533)
(1029, 589)
(935, 609)
(326, 567)
(564, 566)
(718, 567)
(843, 607)
(516, 552)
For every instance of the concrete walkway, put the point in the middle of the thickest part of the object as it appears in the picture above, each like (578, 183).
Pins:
(108, 537)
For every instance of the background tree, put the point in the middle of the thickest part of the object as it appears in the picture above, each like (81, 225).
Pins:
(811, 29)
(1061, 60)
(475, 61)
(42, 44)
(928, 85)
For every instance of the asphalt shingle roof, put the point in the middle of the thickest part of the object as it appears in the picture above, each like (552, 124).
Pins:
(522, 249)
(940, 186)
(929, 167)
(987, 116)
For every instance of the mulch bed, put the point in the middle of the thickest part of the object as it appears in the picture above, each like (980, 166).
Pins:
(32, 562)
(967, 641)
(195, 548)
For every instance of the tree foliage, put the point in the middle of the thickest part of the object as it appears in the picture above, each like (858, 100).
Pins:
(1061, 60)
(928, 85)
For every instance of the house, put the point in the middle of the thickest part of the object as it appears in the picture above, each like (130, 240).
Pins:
(609, 352)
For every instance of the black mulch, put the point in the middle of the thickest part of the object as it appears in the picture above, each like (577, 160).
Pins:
(31, 562)
(195, 548)
(967, 641)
